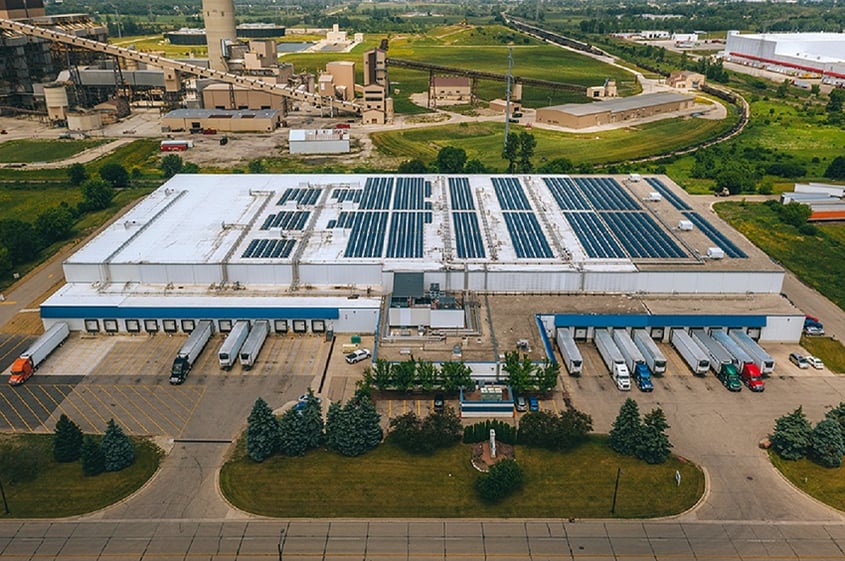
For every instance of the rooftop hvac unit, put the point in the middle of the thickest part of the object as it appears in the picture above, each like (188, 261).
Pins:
(685, 225)
(654, 196)
(715, 253)
(634, 177)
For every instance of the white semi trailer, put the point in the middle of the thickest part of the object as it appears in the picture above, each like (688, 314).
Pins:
(653, 356)
(762, 359)
(569, 351)
(252, 345)
(613, 359)
(228, 353)
(689, 350)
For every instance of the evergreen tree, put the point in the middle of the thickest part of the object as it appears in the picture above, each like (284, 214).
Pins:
(791, 436)
(511, 151)
(301, 430)
(827, 443)
(527, 145)
(654, 444)
(93, 462)
(76, 174)
(262, 432)
(118, 452)
(67, 444)
(626, 429)
(574, 428)
(354, 428)
(838, 414)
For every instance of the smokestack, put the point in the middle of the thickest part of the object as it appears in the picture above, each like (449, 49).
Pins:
(219, 16)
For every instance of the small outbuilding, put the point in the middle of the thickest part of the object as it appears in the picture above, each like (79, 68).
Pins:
(686, 80)
(319, 141)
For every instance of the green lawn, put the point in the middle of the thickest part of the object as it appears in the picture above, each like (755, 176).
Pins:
(484, 141)
(824, 484)
(829, 350)
(388, 482)
(28, 151)
(38, 487)
(797, 252)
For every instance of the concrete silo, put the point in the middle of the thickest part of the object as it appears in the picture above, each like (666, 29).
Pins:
(219, 16)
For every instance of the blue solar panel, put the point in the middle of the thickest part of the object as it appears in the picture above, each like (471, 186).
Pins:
(510, 194)
(717, 237)
(468, 241)
(344, 194)
(461, 194)
(406, 235)
(594, 236)
(667, 193)
(604, 193)
(410, 193)
(303, 196)
(567, 195)
(378, 192)
(268, 249)
(527, 236)
(368, 232)
(287, 220)
(641, 236)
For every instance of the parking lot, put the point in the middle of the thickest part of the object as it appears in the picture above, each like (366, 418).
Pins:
(94, 379)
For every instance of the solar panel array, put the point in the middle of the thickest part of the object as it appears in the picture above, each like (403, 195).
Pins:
(717, 237)
(368, 232)
(595, 237)
(667, 193)
(510, 194)
(377, 193)
(641, 236)
(461, 194)
(344, 194)
(605, 193)
(406, 235)
(566, 193)
(468, 241)
(287, 220)
(302, 195)
(528, 238)
(410, 193)
(268, 249)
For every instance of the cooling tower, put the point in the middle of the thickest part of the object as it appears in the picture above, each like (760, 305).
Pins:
(219, 18)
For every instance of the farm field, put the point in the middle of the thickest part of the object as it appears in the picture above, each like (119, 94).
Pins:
(28, 151)
(388, 482)
(484, 141)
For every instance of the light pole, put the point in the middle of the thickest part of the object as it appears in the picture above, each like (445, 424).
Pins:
(117, 20)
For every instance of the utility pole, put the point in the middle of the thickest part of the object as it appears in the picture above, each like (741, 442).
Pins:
(508, 98)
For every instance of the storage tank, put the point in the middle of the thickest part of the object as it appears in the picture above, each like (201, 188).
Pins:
(55, 97)
(219, 16)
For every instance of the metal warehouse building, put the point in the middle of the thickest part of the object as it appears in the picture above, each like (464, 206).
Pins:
(583, 115)
(318, 252)
(791, 53)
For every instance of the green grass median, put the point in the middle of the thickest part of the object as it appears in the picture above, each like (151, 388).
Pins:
(824, 484)
(36, 486)
(389, 482)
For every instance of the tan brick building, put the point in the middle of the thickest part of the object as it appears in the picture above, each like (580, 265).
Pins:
(584, 115)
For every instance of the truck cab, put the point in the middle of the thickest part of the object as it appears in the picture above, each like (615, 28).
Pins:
(621, 377)
(642, 377)
(179, 371)
(752, 378)
(21, 371)
(730, 378)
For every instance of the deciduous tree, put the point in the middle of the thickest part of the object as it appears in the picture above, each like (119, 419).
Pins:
(96, 194)
(115, 174)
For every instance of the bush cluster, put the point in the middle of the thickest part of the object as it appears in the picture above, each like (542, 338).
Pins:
(504, 477)
(417, 374)
(562, 431)
(480, 432)
(793, 437)
(643, 438)
(440, 429)
(113, 452)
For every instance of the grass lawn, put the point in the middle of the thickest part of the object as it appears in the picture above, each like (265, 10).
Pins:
(28, 151)
(484, 141)
(824, 484)
(388, 482)
(38, 487)
(799, 253)
(829, 350)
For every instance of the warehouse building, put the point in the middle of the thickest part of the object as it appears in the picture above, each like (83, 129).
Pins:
(319, 141)
(611, 111)
(329, 248)
(795, 54)
(224, 120)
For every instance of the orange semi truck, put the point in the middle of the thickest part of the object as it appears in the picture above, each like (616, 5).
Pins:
(28, 362)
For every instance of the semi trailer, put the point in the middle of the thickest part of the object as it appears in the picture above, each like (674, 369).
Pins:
(228, 353)
(633, 360)
(26, 364)
(613, 359)
(748, 371)
(569, 351)
(689, 350)
(252, 345)
(762, 359)
(190, 351)
(721, 362)
(653, 356)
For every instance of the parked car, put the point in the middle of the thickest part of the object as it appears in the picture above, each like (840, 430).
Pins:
(798, 360)
(521, 404)
(304, 397)
(533, 404)
(815, 362)
(439, 402)
(813, 330)
(357, 356)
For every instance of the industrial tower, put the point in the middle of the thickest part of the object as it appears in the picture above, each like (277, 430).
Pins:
(219, 16)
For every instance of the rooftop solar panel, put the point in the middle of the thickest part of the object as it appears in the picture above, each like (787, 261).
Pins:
(641, 236)
(378, 191)
(510, 194)
(667, 193)
(287, 220)
(594, 236)
(468, 241)
(406, 235)
(305, 196)
(460, 194)
(527, 236)
(368, 233)
(268, 249)
(604, 193)
(565, 192)
(717, 237)
(410, 193)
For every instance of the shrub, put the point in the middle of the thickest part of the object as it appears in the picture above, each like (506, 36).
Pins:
(480, 432)
(67, 444)
(504, 478)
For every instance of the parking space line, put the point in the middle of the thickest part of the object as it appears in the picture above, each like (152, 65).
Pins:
(404, 406)
(75, 406)
(554, 406)
(14, 350)
(191, 412)
(419, 409)
(31, 410)
(119, 403)
(148, 416)
(173, 412)
(389, 408)
(13, 408)
(8, 421)
(127, 358)
(166, 414)
(35, 397)
(81, 395)
(58, 407)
